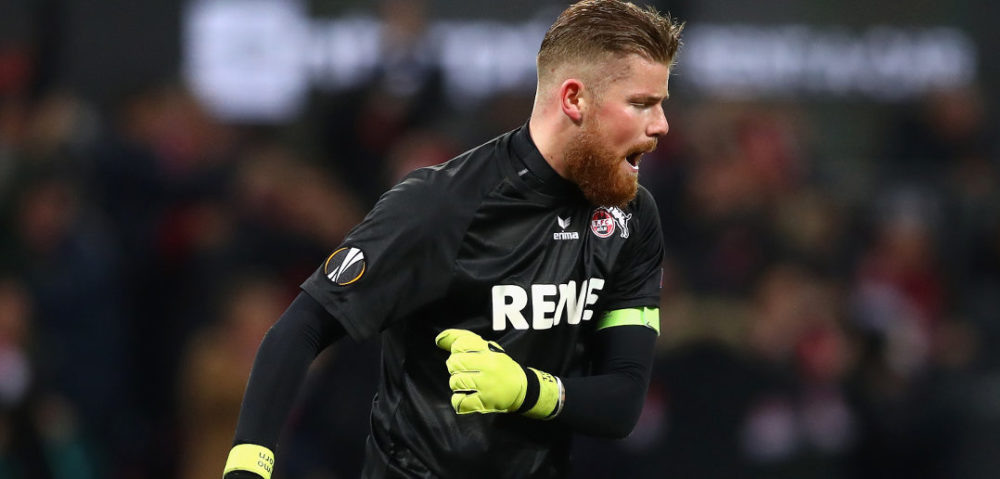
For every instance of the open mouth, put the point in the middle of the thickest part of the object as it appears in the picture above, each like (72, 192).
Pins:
(633, 159)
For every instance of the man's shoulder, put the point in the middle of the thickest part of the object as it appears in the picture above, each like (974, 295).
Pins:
(643, 203)
(457, 184)
(477, 169)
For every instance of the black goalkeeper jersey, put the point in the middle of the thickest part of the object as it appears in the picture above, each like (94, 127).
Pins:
(493, 241)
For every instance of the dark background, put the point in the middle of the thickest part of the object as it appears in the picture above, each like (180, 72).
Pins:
(832, 290)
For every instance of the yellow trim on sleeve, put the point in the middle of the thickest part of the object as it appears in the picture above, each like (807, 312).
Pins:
(649, 317)
(250, 457)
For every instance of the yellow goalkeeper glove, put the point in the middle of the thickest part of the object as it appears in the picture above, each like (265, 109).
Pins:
(249, 461)
(484, 379)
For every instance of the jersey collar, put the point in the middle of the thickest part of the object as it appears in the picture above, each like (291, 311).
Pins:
(539, 174)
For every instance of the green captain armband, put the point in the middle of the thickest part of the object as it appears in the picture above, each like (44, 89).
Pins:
(648, 317)
(252, 458)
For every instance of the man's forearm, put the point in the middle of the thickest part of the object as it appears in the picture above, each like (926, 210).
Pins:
(279, 369)
(608, 403)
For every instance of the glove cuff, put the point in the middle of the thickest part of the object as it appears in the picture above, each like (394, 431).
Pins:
(530, 392)
(543, 397)
(251, 458)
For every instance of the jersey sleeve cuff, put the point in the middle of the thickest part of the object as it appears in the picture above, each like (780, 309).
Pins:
(356, 331)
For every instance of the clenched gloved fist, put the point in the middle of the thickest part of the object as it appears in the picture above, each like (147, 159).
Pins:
(484, 379)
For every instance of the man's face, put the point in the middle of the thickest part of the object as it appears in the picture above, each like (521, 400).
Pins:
(625, 122)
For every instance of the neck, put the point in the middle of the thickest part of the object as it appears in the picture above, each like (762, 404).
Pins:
(550, 139)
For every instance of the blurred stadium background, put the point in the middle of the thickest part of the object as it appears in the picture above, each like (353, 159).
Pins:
(171, 170)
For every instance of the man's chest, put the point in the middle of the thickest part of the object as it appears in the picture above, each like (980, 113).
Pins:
(538, 268)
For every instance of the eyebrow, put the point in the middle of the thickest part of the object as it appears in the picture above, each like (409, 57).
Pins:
(650, 98)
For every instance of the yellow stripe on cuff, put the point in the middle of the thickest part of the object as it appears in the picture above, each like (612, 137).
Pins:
(649, 317)
(250, 457)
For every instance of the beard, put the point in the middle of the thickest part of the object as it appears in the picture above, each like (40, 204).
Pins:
(596, 169)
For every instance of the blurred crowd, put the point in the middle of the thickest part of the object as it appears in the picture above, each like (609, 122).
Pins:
(824, 315)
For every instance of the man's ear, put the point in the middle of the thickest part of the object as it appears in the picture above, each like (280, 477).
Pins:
(571, 99)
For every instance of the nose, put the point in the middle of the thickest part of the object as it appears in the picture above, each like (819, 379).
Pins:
(659, 126)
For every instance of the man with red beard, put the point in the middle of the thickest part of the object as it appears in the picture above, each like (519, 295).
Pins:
(515, 288)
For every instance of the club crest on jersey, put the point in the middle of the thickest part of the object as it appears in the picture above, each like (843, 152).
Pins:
(606, 219)
(345, 266)
(564, 235)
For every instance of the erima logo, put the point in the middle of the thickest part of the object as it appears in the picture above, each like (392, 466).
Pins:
(564, 235)
(345, 266)
(550, 304)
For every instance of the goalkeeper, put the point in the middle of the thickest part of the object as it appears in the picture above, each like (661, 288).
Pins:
(514, 288)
